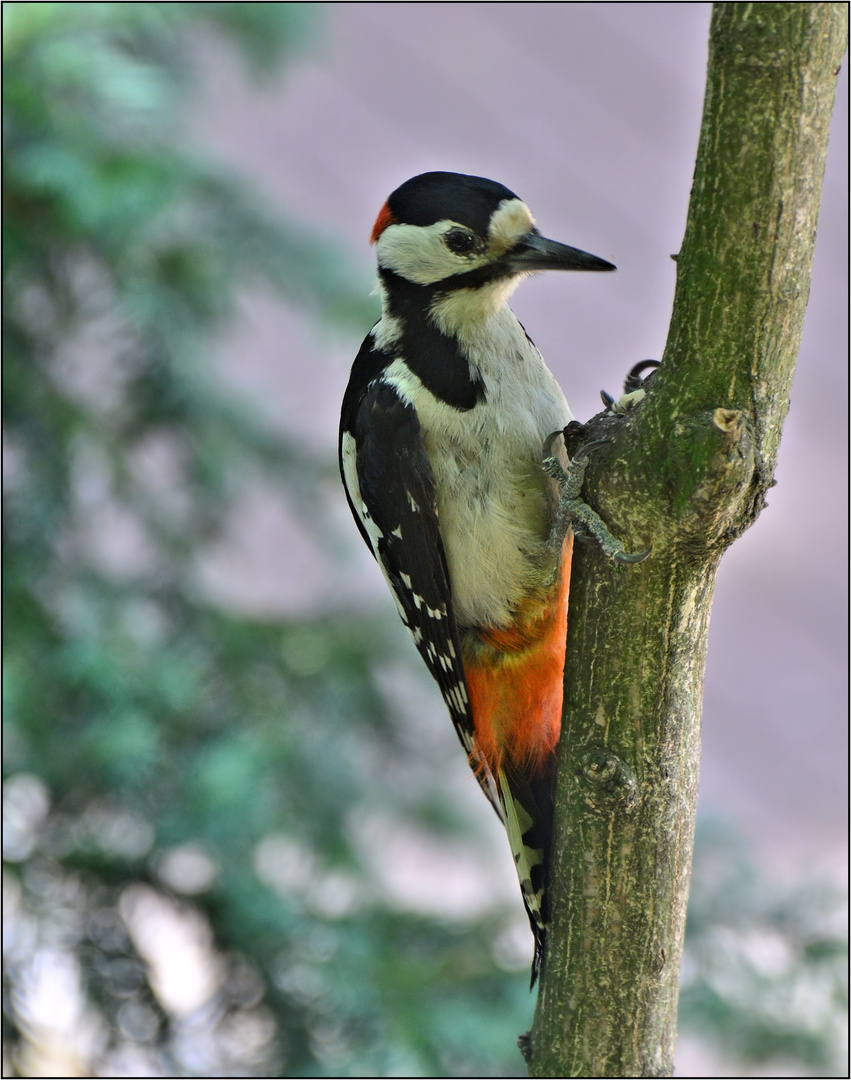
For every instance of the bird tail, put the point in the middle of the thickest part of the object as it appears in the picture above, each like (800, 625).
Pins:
(527, 800)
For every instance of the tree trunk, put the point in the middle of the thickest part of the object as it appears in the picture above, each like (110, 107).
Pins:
(686, 471)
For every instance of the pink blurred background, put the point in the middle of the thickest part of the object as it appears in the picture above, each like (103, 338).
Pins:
(590, 112)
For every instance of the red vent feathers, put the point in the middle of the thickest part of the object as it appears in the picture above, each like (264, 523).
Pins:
(385, 218)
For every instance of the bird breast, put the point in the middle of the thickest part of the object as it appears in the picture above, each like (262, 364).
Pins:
(495, 503)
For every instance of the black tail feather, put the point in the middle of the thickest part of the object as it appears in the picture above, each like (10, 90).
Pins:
(534, 791)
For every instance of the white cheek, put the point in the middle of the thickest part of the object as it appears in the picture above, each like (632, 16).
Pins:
(418, 253)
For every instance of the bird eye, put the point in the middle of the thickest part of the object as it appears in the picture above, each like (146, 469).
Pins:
(461, 242)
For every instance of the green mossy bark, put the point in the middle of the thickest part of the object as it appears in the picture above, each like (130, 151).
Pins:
(687, 471)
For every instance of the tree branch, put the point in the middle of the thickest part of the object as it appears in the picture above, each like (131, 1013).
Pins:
(688, 471)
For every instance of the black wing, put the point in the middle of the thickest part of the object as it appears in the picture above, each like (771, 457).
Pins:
(395, 506)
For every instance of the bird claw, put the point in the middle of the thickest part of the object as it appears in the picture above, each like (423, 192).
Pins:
(635, 380)
(575, 514)
(634, 388)
(632, 558)
(549, 443)
(583, 450)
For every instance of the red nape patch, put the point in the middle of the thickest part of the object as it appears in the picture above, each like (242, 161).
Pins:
(384, 219)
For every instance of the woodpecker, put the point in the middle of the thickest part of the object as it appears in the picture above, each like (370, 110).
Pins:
(448, 456)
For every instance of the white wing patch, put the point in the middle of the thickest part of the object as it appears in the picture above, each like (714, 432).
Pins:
(350, 475)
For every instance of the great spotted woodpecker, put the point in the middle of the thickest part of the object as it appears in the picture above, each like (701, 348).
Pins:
(447, 456)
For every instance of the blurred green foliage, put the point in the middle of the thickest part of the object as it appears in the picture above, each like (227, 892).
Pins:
(147, 730)
(171, 763)
(765, 972)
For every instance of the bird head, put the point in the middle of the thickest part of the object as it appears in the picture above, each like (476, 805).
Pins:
(465, 232)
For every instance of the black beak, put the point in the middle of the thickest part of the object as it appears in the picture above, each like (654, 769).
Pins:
(534, 252)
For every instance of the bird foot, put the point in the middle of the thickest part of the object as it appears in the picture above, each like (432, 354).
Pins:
(575, 514)
(634, 388)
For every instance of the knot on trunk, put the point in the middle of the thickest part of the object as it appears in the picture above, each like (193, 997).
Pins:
(609, 784)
